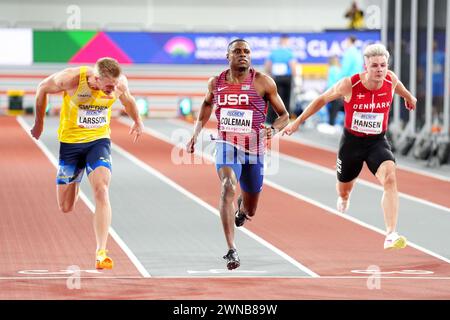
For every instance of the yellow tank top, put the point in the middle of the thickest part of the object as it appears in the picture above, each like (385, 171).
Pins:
(85, 115)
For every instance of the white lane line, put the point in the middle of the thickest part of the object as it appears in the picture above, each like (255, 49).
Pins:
(332, 172)
(350, 218)
(193, 197)
(424, 173)
(359, 181)
(400, 166)
(306, 199)
(225, 271)
(88, 203)
(246, 276)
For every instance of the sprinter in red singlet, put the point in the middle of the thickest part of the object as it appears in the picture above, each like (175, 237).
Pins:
(240, 95)
(367, 100)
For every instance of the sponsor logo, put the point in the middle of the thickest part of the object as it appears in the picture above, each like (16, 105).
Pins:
(179, 47)
(92, 107)
(339, 165)
(235, 113)
(104, 159)
(368, 116)
(220, 89)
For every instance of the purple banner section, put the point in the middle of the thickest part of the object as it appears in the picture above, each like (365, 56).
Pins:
(210, 48)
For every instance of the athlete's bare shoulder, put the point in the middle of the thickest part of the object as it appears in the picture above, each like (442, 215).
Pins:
(345, 84)
(73, 70)
(212, 83)
(343, 88)
(90, 71)
(393, 76)
(122, 84)
(65, 79)
(264, 81)
(263, 77)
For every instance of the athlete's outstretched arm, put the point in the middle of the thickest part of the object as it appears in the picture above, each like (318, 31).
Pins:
(277, 104)
(131, 109)
(204, 114)
(341, 89)
(410, 100)
(55, 83)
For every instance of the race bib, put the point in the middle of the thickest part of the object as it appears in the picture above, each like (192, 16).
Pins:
(368, 123)
(236, 120)
(279, 69)
(92, 118)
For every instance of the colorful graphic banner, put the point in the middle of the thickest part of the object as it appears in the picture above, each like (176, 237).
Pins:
(184, 48)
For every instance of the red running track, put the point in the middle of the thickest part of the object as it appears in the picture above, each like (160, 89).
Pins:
(408, 182)
(325, 243)
(35, 235)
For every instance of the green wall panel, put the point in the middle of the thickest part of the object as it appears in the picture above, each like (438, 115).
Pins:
(59, 46)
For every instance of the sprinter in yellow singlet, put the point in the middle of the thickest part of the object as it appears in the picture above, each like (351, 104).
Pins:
(84, 136)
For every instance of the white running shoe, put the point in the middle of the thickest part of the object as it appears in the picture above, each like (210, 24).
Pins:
(342, 205)
(394, 241)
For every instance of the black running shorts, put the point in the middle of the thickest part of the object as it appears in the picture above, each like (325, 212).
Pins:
(354, 151)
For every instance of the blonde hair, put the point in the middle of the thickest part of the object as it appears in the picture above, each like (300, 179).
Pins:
(376, 50)
(108, 68)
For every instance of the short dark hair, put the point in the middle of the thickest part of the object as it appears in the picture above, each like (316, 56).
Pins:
(352, 39)
(235, 40)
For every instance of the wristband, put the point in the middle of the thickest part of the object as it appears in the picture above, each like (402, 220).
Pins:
(274, 131)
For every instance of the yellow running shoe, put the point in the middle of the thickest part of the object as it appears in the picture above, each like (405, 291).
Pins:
(103, 261)
(394, 241)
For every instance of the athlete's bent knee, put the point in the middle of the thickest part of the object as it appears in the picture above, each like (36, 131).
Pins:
(390, 182)
(101, 193)
(228, 188)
